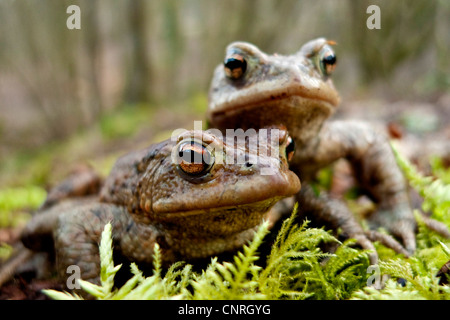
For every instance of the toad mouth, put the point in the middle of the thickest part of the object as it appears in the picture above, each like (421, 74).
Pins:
(251, 97)
(261, 206)
(243, 104)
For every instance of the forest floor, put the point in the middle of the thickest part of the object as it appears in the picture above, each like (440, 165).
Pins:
(420, 128)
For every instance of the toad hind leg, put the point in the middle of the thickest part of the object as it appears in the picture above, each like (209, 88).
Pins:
(78, 234)
(77, 237)
(83, 181)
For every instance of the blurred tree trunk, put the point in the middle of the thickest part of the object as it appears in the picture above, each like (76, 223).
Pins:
(442, 36)
(138, 86)
(400, 38)
(55, 80)
(174, 48)
(92, 44)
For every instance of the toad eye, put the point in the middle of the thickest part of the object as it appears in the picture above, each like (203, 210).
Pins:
(326, 60)
(235, 66)
(290, 148)
(194, 158)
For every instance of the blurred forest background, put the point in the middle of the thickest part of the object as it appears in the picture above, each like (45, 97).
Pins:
(150, 62)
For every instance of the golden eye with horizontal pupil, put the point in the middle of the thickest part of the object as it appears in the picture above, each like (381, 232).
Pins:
(194, 158)
(327, 60)
(235, 66)
(290, 148)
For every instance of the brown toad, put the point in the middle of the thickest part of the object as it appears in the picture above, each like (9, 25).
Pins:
(191, 195)
(252, 89)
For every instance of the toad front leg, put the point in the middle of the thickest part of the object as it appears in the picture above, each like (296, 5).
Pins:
(375, 169)
(77, 237)
(334, 214)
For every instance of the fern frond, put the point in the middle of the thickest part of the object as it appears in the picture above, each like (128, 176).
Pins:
(233, 280)
(436, 192)
(420, 278)
(392, 291)
(107, 268)
(107, 272)
(344, 258)
(58, 295)
(127, 288)
(297, 265)
(445, 249)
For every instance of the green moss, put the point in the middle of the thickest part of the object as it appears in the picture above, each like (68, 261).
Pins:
(16, 202)
(296, 268)
(5, 251)
(126, 121)
(434, 190)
